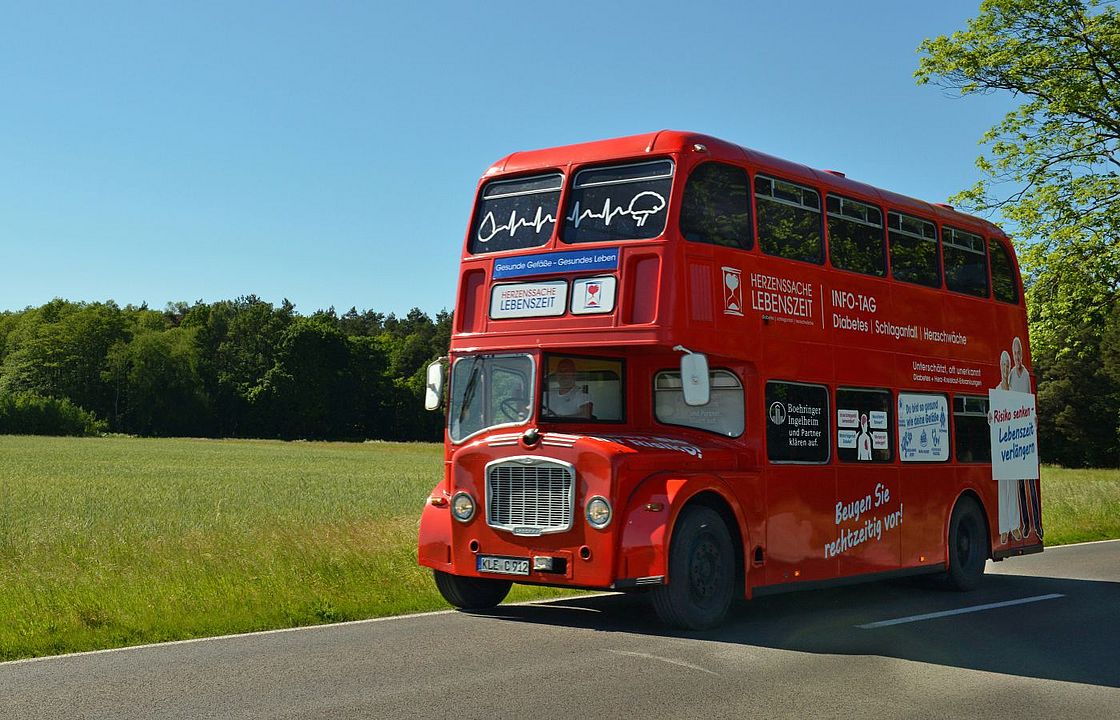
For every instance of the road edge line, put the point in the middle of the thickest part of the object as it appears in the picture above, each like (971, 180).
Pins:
(279, 631)
(364, 621)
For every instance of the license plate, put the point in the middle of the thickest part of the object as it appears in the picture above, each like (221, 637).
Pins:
(504, 565)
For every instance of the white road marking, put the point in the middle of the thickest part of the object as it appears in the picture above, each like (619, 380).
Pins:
(958, 611)
(671, 661)
(1050, 548)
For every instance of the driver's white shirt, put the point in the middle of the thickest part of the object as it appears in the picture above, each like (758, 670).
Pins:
(567, 404)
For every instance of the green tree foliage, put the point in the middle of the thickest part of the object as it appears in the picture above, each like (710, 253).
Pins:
(240, 367)
(1052, 168)
(308, 392)
(56, 351)
(237, 342)
(31, 414)
(157, 388)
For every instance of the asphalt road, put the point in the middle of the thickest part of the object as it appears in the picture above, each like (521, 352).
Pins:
(1047, 646)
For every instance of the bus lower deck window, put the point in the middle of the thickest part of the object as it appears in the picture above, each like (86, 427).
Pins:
(797, 422)
(864, 425)
(971, 430)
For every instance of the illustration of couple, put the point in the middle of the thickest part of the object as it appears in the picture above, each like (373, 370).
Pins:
(1020, 511)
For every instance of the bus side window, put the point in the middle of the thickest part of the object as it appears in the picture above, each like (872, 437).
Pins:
(789, 220)
(855, 236)
(863, 425)
(966, 263)
(716, 207)
(797, 423)
(923, 427)
(914, 250)
(970, 429)
(1003, 273)
(724, 414)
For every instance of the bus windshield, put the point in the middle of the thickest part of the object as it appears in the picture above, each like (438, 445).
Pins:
(488, 391)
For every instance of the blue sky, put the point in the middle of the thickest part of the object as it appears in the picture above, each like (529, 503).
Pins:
(328, 152)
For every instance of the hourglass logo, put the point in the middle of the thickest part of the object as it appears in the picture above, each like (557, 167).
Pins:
(593, 293)
(732, 291)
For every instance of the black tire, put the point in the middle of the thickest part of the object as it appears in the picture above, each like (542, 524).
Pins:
(968, 546)
(701, 572)
(467, 593)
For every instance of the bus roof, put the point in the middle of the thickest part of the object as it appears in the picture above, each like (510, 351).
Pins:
(676, 141)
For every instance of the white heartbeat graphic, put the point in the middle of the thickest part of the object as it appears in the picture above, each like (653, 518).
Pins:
(651, 204)
(639, 211)
(492, 228)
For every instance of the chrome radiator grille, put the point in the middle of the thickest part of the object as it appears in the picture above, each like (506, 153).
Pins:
(530, 496)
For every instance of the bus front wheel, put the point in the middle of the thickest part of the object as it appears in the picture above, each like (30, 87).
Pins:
(701, 572)
(467, 593)
(968, 546)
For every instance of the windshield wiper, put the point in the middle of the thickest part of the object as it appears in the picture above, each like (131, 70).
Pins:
(468, 391)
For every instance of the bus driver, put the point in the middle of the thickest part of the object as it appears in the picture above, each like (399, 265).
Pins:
(565, 398)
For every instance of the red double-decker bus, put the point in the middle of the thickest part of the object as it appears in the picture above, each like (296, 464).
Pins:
(689, 368)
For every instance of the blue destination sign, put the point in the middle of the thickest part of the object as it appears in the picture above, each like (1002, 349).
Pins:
(556, 262)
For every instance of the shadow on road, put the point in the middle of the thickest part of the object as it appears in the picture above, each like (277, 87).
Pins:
(1075, 638)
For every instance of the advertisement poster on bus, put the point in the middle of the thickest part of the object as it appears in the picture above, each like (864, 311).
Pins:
(1013, 427)
(923, 427)
(1014, 435)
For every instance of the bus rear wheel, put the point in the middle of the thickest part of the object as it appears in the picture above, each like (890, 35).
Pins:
(968, 546)
(701, 572)
(467, 593)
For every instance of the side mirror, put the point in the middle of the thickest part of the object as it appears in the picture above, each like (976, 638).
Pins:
(433, 390)
(694, 379)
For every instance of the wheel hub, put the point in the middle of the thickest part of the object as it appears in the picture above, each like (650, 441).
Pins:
(704, 573)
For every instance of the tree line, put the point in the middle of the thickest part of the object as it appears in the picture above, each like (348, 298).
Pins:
(247, 368)
(232, 368)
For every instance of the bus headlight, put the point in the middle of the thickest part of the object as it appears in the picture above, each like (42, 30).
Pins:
(462, 506)
(598, 512)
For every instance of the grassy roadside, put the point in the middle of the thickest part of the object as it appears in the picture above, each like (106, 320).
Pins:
(114, 541)
(1080, 505)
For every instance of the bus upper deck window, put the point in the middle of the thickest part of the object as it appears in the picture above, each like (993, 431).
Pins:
(517, 213)
(789, 220)
(913, 244)
(966, 262)
(619, 202)
(1003, 273)
(716, 207)
(855, 236)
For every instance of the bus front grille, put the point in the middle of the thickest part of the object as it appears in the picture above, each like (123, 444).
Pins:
(530, 495)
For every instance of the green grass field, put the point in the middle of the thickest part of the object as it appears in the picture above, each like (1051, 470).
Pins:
(114, 541)
(1080, 505)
